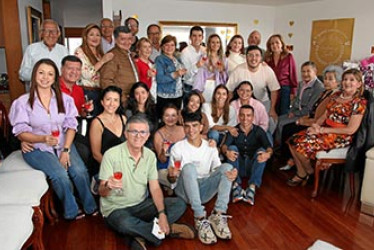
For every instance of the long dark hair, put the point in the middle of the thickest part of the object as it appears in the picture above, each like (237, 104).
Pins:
(117, 90)
(226, 108)
(187, 100)
(235, 95)
(55, 86)
(132, 103)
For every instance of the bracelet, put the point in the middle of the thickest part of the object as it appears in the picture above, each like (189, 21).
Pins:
(161, 212)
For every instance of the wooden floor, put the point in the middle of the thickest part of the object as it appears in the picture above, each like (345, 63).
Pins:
(282, 218)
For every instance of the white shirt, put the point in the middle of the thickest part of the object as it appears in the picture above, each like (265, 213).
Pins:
(205, 158)
(262, 79)
(190, 57)
(36, 51)
(207, 109)
(155, 53)
(107, 45)
(234, 59)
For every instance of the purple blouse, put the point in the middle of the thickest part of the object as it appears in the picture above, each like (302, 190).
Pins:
(37, 120)
(285, 72)
(203, 74)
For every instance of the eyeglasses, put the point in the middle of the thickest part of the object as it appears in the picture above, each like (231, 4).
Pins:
(50, 32)
(132, 26)
(154, 33)
(142, 133)
(107, 26)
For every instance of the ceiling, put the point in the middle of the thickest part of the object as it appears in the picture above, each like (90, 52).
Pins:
(257, 2)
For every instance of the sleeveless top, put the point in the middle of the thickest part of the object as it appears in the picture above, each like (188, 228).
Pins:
(109, 139)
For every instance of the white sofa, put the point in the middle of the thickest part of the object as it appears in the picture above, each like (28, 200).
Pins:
(367, 191)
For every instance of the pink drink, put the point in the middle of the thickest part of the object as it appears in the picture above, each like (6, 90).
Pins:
(177, 164)
(56, 133)
(204, 58)
(117, 175)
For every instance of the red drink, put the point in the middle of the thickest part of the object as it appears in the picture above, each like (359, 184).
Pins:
(167, 143)
(154, 71)
(205, 58)
(56, 133)
(177, 164)
(117, 175)
(87, 106)
(218, 63)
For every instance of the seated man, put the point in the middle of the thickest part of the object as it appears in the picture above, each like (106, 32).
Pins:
(246, 152)
(201, 176)
(124, 202)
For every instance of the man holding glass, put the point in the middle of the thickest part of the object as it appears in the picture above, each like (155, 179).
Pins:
(124, 201)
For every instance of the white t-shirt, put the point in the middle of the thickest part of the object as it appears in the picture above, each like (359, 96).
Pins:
(189, 58)
(207, 109)
(205, 158)
(262, 78)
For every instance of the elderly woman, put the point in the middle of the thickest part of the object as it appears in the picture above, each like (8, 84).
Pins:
(46, 118)
(282, 62)
(334, 129)
(235, 52)
(93, 58)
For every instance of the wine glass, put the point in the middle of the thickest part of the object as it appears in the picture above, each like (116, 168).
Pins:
(87, 106)
(55, 132)
(204, 57)
(166, 147)
(118, 176)
(177, 163)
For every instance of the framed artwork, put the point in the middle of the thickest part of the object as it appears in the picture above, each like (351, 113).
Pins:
(34, 21)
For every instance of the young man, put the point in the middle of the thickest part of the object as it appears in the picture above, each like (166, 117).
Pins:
(124, 200)
(200, 177)
(248, 152)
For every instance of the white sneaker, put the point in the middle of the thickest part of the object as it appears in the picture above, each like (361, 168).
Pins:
(285, 168)
(205, 232)
(220, 226)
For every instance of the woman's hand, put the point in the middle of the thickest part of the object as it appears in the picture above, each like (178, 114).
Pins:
(65, 160)
(273, 114)
(151, 73)
(27, 147)
(233, 131)
(232, 174)
(50, 140)
(107, 57)
(180, 72)
(314, 129)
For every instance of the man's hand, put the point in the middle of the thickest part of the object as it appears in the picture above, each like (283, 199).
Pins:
(114, 183)
(232, 155)
(232, 174)
(27, 147)
(291, 115)
(233, 131)
(212, 143)
(263, 156)
(163, 223)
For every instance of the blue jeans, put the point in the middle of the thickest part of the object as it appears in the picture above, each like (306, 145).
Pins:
(247, 166)
(284, 102)
(60, 178)
(216, 135)
(138, 220)
(199, 191)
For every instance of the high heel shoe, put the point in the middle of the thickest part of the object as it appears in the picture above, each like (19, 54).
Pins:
(300, 181)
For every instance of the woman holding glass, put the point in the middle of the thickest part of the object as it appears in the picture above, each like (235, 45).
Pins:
(46, 118)
(235, 52)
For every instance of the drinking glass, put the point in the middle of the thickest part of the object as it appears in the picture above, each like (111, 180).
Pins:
(118, 176)
(55, 132)
(167, 147)
(87, 106)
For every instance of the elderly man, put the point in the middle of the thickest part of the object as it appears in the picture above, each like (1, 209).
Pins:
(127, 172)
(121, 70)
(47, 48)
(154, 35)
(254, 38)
(107, 39)
(133, 25)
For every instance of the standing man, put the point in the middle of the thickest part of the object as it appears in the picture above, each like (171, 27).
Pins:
(255, 39)
(47, 48)
(107, 39)
(248, 153)
(133, 25)
(124, 201)
(201, 177)
(192, 56)
(262, 77)
(121, 70)
(154, 35)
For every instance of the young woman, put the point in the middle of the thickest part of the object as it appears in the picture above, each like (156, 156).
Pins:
(93, 58)
(214, 70)
(235, 52)
(46, 118)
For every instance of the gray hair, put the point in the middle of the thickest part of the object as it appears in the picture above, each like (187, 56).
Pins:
(121, 29)
(337, 70)
(45, 21)
(138, 118)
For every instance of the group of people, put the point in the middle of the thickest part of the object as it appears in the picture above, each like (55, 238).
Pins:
(197, 122)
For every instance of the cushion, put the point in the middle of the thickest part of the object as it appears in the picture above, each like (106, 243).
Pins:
(22, 187)
(15, 226)
(15, 162)
(370, 153)
(337, 153)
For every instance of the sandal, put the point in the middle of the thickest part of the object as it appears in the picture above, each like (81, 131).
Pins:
(94, 213)
(249, 196)
(299, 181)
(80, 215)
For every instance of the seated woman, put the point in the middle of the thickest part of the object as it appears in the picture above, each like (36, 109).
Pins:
(107, 129)
(46, 118)
(332, 76)
(221, 116)
(164, 138)
(214, 70)
(334, 129)
(235, 53)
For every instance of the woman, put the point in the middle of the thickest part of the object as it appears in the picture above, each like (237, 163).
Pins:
(146, 70)
(164, 138)
(235, 52)
(334, 129)
(107, 129)
(93, 58)
(282, 62)
(332, 76)
(221, 116)
(243, 96)
(214, 70)
(46, 118)
(169, 75)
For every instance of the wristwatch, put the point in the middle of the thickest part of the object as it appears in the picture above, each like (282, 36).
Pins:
(66, 150)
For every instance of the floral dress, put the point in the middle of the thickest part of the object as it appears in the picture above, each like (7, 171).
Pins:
(338, 115)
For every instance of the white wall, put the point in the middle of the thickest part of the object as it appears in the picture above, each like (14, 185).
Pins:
(80, 13)
(304, 14)
(152, 11)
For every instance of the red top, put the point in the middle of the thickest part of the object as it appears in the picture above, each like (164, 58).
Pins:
(285, 72)
(77, 94)
(143, 68)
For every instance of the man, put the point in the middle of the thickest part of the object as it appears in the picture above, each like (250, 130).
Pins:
(107, 39)
(262, 77)
(191, 57)
(200, 178)
(130, 211)
(133, 25)
(254, 38)
(121, 70)
(154, 35)
(248, 152)
(47, 48)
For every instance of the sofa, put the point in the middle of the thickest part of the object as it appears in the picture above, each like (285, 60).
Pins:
(367, 191)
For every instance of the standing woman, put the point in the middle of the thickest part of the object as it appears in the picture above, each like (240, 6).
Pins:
(214, 70)
(45, 117)
(169, 75)
(283, 63)
(235, 52)
(93, 58)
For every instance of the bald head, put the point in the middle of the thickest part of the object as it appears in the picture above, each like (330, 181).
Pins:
(254, 38)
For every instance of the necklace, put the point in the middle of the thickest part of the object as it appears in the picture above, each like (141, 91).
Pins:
(345, 98)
